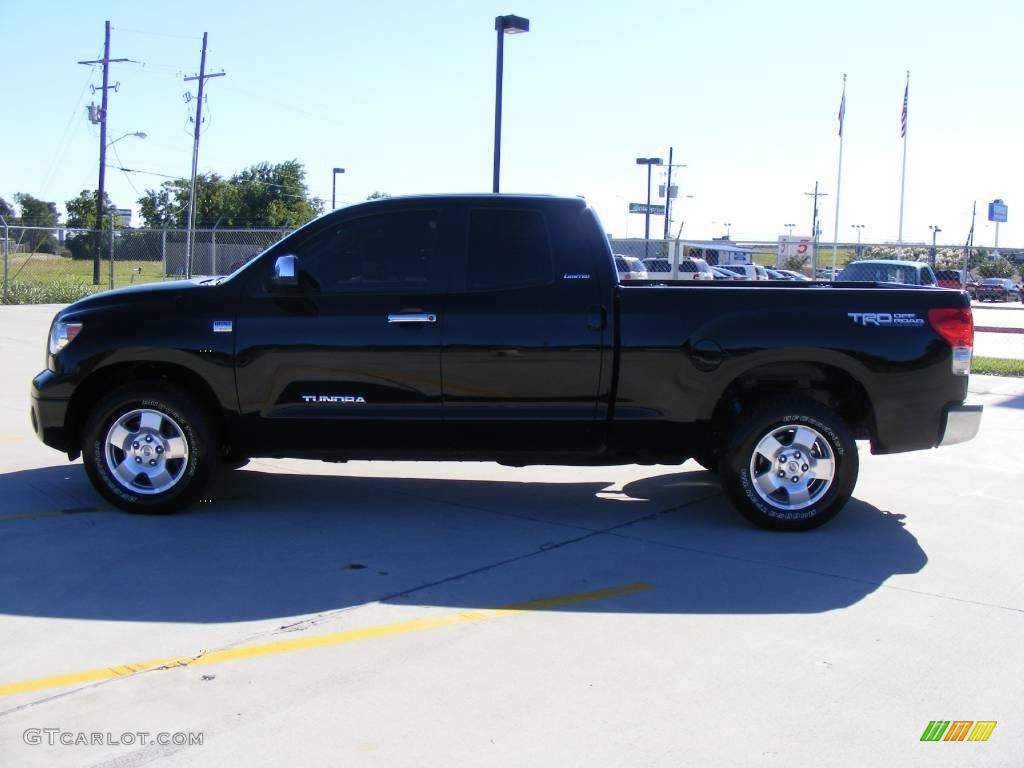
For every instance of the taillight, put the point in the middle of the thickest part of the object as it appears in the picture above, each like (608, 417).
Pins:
(956, 326)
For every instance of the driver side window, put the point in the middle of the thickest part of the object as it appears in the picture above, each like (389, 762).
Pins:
(385, 252)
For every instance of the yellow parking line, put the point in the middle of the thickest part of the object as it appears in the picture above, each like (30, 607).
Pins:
(11, 438)
(318, 641)
(48, 513)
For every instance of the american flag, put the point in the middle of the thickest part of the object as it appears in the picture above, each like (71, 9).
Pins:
(842, 111)
(903, 116)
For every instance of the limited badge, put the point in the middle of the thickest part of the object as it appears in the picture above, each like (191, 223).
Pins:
(222, 326)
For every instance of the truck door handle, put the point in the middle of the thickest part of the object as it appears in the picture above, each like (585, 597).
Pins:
(412, 317)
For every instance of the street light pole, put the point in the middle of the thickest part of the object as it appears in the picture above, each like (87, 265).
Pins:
(334, 180)
(511, 25)
(858, 227)
(648, 161)
(931, 256)
(790, 227)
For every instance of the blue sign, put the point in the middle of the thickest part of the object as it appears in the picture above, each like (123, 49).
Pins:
(997, 211)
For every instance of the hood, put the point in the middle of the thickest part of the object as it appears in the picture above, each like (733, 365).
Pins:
(162, 292)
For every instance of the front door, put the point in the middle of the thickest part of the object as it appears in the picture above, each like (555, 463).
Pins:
(349, 359)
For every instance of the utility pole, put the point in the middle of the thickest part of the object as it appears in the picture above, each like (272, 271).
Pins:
(201, 77)
(814, 224)
(106, 62)
(668, 192)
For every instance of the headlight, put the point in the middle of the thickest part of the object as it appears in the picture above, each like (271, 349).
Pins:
(63, 334)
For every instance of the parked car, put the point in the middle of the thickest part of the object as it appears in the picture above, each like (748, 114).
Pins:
(747, 271)
(950, 278)
(721, 273)
(793, 275)
(887, 271)
(630, 268)
(998, 289)
(657, 267)
(362, 335)
(689, 269)
(775, 274)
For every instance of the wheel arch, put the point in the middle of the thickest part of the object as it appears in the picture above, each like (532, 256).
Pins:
(103, 380)
(831, 385)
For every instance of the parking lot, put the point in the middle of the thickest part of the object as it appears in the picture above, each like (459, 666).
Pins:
(410, 614)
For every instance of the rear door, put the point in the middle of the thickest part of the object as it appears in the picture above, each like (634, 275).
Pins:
(526, 332)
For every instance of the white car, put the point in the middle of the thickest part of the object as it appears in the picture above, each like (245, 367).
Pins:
(747, 271)
(629, 267)
(689, 269)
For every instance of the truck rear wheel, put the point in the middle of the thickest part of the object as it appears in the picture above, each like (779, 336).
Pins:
(790, 465)
(148, 447)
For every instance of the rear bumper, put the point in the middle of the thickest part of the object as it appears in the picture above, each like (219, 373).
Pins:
(961, 424)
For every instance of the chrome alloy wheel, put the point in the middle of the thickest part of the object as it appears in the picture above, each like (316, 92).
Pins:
(792, 467)
(146, 451)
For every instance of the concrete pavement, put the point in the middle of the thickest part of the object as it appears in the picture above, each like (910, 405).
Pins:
(346, 613)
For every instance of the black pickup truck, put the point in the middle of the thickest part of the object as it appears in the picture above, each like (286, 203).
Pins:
(486, 327)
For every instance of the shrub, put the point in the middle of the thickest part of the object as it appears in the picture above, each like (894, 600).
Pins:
(60, 291)
(996, 268)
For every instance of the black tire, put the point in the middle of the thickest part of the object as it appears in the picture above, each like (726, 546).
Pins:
(751, 464)
(157, 429)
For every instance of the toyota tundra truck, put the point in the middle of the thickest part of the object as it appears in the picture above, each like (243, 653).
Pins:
(494, 328)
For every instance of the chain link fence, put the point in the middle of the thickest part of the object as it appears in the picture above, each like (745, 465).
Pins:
(810, 260)
(58, 265)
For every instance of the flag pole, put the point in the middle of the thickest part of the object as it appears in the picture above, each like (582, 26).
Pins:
(839, 176)
(903, 131)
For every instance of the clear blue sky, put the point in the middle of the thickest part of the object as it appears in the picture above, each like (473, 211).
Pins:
(401, 94)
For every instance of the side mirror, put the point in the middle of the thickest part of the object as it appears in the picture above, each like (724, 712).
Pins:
(286, 272)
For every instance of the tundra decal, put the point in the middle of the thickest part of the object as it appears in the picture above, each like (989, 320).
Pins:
(344, 399)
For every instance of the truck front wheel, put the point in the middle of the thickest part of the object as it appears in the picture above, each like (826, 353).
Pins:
(148, 447)
(791, 465)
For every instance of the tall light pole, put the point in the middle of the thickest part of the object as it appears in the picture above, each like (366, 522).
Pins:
(859, 228)
(334, 179)
(728, 234)
(648, 161)
(511, 25)
(790, 227)
(931, 256)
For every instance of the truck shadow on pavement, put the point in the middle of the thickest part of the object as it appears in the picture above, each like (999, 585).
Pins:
(269, 545)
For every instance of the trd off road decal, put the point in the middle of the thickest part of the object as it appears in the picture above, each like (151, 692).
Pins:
(887, 319)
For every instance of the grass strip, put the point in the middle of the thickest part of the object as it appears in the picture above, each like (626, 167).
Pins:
(997, 366)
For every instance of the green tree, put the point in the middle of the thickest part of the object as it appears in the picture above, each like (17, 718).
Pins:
(37, 213)
(82, 211)
(82, 215)
(377, 195)
(275, 195)
(262, 195)
(6, 210)
(995, 268)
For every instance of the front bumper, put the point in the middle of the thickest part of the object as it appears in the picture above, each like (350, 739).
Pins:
(49, 413)
(961, 424)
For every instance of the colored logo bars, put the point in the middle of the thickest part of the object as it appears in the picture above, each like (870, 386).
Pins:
(958, 730)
